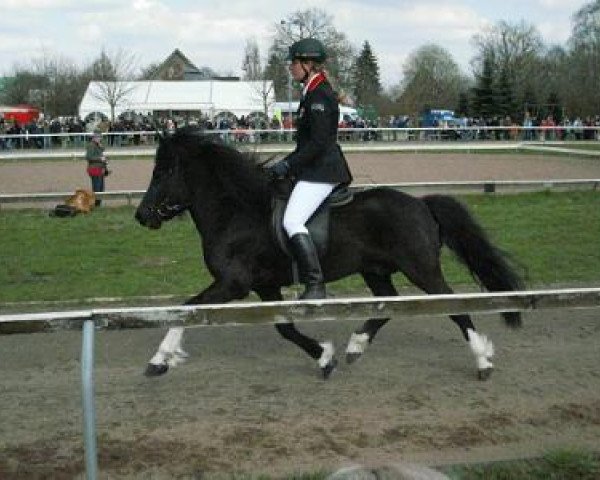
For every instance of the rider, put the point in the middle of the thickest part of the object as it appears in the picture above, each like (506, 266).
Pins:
(317, 164)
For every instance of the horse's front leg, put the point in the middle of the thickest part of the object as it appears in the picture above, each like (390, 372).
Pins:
(170, 352)
(323, 352)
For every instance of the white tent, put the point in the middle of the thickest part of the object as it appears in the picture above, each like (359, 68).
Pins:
(211, 97)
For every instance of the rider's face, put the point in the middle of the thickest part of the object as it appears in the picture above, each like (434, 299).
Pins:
(298, 69)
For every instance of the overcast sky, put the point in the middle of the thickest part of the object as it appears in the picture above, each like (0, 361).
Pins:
(214, 33)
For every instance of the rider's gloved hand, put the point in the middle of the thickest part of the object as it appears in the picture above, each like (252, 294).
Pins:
(279, 170)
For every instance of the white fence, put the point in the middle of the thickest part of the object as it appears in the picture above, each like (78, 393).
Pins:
(130, 197)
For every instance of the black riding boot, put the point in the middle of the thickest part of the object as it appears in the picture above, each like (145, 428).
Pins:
(309, 268)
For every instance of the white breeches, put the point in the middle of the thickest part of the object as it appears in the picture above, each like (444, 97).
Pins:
(306, 197)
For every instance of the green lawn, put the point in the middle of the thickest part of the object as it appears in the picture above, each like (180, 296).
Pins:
(107, 254)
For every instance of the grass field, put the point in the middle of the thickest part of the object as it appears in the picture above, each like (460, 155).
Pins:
(107, 254)
(556, 465)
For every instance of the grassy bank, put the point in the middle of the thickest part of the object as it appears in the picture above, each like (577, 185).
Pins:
(556, 465)
(107, 254)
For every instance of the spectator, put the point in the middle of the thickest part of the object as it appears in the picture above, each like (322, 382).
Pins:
(97, 166)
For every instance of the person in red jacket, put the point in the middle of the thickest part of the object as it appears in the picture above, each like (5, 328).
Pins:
(317, 164)
(97, 166)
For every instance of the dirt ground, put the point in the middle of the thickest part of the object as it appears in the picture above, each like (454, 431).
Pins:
(249, 402)
(67, 175)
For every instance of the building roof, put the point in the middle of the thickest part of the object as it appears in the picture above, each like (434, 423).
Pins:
(176, 67)
(211, 97)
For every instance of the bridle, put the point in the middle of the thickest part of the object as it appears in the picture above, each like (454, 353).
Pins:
(165, 211)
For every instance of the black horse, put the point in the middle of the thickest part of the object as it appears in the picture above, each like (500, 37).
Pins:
(382, 231)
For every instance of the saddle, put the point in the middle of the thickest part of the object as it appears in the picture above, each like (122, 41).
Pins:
(317, 225)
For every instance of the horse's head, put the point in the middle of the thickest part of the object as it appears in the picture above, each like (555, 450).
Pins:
(167, 195)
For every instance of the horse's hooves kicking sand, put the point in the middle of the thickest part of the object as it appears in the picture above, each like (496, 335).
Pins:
(156, 370)
(356, 346)
(328, 369)
(327, 361)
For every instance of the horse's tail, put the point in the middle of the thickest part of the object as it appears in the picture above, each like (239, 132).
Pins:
(488, 265)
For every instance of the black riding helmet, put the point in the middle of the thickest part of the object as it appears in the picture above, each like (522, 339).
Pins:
(308, 49)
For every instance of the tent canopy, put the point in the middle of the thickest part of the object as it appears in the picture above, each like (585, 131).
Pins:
(211, 97)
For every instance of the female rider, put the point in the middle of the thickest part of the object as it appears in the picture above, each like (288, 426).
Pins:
(317, 164)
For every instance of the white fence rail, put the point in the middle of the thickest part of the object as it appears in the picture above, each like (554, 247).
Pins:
(329, 309)
(486, 186)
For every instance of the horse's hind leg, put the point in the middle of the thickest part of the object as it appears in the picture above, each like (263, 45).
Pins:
(380, 286)
(432, 281)
(323, 353)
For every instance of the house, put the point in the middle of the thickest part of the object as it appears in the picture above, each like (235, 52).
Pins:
(178, 67)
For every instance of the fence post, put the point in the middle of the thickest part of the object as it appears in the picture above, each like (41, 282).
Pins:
(87, 394)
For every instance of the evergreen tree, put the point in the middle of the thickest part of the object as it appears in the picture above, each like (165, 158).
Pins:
(504, 97)
(484, 104)
(276, 70)
(462, 108)
(554, 107)
(367, 85)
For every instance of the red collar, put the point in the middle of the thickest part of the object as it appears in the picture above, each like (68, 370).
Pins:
(315, 82)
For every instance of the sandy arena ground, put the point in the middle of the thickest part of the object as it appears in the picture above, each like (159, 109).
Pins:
(67, 175)
(247, 401)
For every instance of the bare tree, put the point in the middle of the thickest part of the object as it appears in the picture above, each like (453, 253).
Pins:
(517, 51)
(584, 60)
(256, 71)
(52, 83)
(431, 79)
(251, 64)
(112, 74)
(316, 23)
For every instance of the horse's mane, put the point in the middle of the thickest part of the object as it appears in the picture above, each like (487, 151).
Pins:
(238, 177)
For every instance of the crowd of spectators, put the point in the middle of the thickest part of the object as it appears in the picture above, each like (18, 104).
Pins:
(137, 129)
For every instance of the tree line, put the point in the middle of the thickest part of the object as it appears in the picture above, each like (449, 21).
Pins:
(512, 71)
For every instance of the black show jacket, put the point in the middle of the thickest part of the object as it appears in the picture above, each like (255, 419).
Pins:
(318, 157)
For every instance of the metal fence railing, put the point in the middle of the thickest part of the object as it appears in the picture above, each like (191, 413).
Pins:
(128, 139)
(131, 197)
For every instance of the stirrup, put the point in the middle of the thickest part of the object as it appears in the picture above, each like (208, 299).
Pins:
(314, 292)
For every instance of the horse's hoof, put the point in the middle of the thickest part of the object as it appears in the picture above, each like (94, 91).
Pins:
(153, 370)
(352, 357)
(328, 369)
(484, 373)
